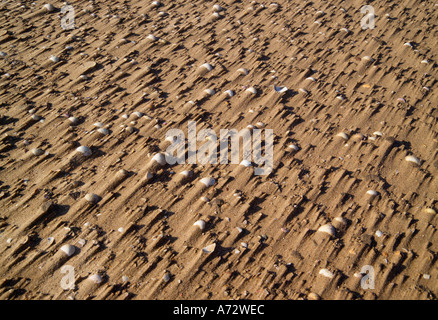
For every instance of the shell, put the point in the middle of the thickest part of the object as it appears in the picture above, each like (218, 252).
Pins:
(98, 124)
(372, 193)
(138, 114)
(37, 151)
(156, 4)
(313, 296)
(230, 93)
(430, 211)
(368, 59)
(103, 131)
(209, 92)
(95, 278)
(49, 7)
(413, 159)
(216, 15)
(151, 37)
(68, 249)
(379, 233)
(243, 71)
(54, 59)
(186, 173)
(159, 158)
(294, 147)
(91, 197)
(217, 8)
(328, 228)
(251, 90)
(340, 220)
(36, 117)
(200, 224)
(166, 277)
(73, 120)
(326, 273)
(207, 66)
(210, 248)
(208, 181)
(342, 135)
(86, 152)
(280, 89)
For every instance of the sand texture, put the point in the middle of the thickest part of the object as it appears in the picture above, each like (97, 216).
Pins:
(355, 150)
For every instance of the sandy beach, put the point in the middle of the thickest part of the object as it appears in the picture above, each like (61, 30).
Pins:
(90, 208)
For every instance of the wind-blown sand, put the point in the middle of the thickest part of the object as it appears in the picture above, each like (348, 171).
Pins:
(131, 220)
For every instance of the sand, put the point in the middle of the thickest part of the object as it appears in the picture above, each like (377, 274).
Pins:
(131, 71)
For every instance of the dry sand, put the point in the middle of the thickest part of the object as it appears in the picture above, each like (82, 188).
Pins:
(136, 236)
